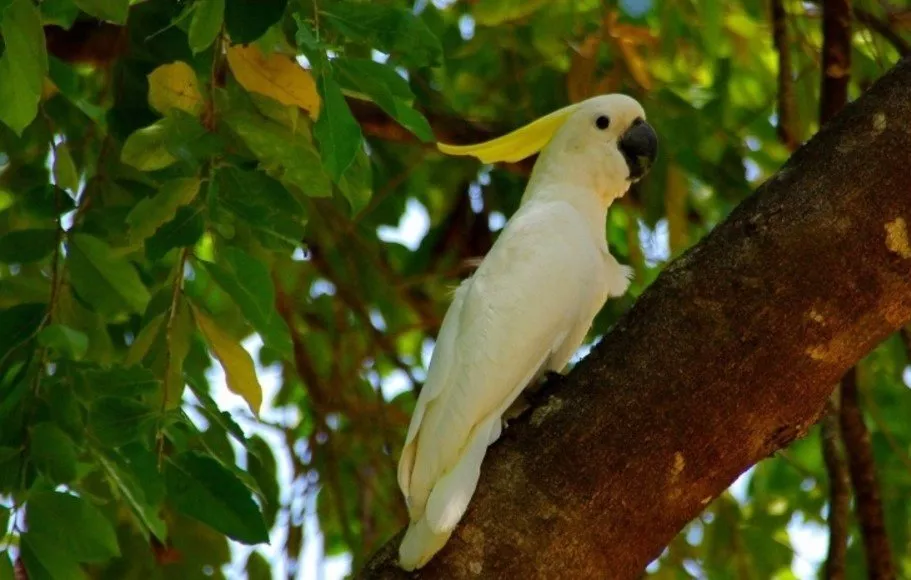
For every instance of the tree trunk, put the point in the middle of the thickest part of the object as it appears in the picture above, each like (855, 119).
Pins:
(727, 357)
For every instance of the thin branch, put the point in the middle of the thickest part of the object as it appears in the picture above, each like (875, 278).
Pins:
(863, 476)
(836, 74)
(839, 493)
(787, 120)
(836, 58)
(169, 328)
(884, 29)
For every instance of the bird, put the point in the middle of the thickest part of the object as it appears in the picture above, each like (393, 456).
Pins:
(528, 306)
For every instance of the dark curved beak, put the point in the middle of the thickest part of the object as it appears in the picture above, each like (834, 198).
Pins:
(639, 146)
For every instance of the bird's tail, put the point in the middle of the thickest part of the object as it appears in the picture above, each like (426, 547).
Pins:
(420, 544)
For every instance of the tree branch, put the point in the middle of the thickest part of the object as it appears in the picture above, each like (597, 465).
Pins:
(884, 29)
(787, 126)
(730, 355)
(836, 57)
(839, 493)
(863, 475)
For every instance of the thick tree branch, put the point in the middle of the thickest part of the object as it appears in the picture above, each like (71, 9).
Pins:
(728, 356)
(863, 475)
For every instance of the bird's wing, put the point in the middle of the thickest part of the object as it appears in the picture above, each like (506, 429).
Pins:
(502, 327)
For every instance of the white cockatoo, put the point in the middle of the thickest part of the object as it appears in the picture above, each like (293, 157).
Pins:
(528, 306)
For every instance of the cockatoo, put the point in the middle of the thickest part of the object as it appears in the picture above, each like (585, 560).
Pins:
(527, 307)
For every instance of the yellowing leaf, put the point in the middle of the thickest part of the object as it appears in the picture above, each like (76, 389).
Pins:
(628, 38)
(234, 359)
(277, 76)
(174, 86)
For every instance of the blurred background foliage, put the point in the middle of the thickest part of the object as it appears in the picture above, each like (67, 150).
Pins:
(183, 180)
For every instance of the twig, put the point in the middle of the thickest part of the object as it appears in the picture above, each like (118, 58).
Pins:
(863, 476)
(884, 29)
(787, 130)
(839, 493)
(172, 315)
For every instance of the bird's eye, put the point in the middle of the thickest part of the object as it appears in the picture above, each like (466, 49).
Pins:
(602, 122)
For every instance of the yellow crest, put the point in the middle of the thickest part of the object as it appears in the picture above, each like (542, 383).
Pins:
(519, 144)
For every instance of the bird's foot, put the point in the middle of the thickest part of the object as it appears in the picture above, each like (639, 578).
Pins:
(549, 382)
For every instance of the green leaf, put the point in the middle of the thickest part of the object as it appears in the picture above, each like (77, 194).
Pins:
(222, 419)
(47, 201)
(152, 212)
(23, 65)
(144, 340)
(5, 514)
(131, 482)
(146, 150)
(53, 452)
(495, 12)
(262, 466)
(386, 88)
(116, 421)
(306, 39)
(45, 559)
(391, 30)
(181, 232)
(112, 10)
(6, 565)
(336, 130)
(65, 341)
(104, 280)
(69, 81)
(65, 410)
(208, 17)
(187, 139)
(65, 174)
(130, 381)
(63, 13)
(287, 155)
(247, 20)
(357, 182)
(26, 246)
(200, 487)
(262, 202)
(19, 323)
(73, 523)
(258, 567)
(249, 284)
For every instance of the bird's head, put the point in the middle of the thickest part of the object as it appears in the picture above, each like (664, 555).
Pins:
(603, 142)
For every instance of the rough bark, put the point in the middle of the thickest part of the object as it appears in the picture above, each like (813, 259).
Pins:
(727, 357)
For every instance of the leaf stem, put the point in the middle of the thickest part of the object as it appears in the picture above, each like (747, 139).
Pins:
(172, 315)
